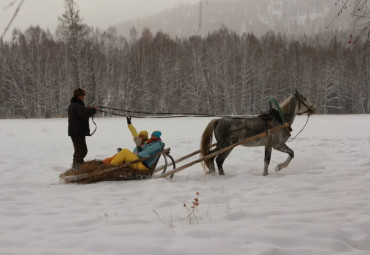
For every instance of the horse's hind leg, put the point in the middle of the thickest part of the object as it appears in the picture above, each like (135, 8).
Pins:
(212, 162)
(211, 165)
(268, 151)
(286, 149)
(220, 160)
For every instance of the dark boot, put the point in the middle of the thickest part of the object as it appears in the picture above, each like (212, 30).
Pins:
(75, 165)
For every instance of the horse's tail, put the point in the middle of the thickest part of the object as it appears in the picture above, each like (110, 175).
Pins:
(206, 143)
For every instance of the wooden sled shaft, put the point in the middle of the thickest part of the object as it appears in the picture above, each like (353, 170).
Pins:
(270, 131)
(180, 159)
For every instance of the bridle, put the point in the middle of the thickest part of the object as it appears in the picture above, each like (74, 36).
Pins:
(309, 108)
(300, 113)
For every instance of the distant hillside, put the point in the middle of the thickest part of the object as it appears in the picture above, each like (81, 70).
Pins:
(258, 16)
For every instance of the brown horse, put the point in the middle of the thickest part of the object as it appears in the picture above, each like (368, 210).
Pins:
(230, 130)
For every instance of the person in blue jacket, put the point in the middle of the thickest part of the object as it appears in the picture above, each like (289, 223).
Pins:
(150, 148)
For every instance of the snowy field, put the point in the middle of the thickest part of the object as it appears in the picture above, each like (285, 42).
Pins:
(320, 204)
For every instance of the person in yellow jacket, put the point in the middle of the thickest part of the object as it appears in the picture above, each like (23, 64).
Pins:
(140, 139)
(150, 148)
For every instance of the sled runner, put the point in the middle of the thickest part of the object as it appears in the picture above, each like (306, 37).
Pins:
(96, 170)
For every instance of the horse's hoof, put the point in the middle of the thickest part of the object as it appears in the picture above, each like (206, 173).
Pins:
(278, 168)
(265, 174)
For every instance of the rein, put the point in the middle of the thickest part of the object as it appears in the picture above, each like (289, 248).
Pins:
(96, 126)
(159, 114)
(292, 139)
(138, 114)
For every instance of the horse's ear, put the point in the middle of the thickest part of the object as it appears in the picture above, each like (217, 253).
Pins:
(296, 92)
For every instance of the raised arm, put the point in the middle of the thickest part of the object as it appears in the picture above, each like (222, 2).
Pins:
(133, 131)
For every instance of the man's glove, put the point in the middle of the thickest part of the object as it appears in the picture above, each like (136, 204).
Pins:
(128, 120)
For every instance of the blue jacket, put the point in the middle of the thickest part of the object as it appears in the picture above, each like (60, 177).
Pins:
(149, 150)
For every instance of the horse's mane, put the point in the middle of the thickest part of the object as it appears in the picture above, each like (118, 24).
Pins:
(286, 104)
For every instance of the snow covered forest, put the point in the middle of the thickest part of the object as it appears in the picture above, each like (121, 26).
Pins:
(221, 73)
(243, 16)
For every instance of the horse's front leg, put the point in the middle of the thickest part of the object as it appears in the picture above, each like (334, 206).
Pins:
(286, 149)
(268, 151)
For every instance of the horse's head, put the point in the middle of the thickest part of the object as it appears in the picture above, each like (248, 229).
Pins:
(304, 106)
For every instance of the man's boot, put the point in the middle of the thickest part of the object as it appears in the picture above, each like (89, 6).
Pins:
(75, 165)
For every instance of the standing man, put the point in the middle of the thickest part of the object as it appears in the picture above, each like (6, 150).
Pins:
(78, 125)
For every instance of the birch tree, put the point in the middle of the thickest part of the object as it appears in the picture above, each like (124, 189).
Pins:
(360, 25)
(73, 32)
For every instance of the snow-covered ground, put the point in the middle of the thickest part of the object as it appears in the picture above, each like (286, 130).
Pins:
(320, 204)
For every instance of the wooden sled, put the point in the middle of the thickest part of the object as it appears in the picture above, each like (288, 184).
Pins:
(96, 170)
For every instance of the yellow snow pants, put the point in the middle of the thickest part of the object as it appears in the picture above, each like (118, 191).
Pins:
(125, 156)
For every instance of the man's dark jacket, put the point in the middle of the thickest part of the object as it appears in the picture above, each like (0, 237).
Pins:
(78, 118)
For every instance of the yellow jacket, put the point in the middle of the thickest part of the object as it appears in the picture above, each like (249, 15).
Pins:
(135, 135)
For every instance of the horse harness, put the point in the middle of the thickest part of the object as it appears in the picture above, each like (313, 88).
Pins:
(273, 113)
(268, 116)
(309, 108)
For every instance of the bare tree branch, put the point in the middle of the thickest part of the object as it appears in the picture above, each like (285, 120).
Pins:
(10, 4)
(12, 19)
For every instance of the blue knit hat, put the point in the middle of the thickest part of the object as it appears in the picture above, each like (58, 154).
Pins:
(157, 134)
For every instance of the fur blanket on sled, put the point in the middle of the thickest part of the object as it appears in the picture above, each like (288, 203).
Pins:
(95, 171)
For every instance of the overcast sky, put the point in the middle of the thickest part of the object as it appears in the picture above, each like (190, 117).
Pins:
(96, 13)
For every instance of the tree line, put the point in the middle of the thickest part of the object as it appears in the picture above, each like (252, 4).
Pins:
(222, 73)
